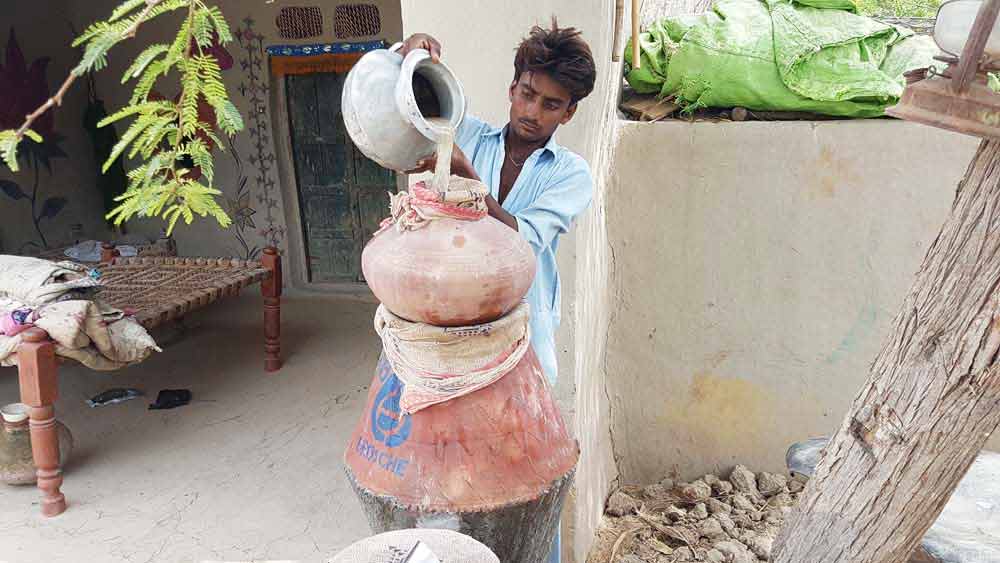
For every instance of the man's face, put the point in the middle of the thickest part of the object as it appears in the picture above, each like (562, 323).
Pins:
(538, 105)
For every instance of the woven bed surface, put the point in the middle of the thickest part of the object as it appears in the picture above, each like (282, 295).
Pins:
(163, 288)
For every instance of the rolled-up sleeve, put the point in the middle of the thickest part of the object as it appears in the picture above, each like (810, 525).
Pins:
(553, 212)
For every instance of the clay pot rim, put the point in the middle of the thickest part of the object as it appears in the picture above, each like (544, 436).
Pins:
(14, 413)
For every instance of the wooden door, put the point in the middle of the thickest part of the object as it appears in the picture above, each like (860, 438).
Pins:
(343, 195)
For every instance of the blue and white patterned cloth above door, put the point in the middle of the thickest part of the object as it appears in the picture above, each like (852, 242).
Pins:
(324, 48)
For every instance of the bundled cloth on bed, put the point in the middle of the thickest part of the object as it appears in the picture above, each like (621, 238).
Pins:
(64, 300)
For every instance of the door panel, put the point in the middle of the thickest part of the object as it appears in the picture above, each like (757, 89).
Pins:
(303, 111)
(342, 194)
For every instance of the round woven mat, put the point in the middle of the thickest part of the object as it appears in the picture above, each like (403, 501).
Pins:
(392, 547)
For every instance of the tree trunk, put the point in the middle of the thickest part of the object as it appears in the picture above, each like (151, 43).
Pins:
(931, 400)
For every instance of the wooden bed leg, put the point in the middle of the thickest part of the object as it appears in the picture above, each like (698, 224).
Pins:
(271, 288)
(38, 380)
(108, 253)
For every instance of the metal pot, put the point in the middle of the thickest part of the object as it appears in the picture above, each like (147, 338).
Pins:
(381, 110)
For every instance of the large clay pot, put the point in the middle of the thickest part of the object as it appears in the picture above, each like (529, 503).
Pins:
(383, 113)
(16, 464)
(450, 272)
(495, 464)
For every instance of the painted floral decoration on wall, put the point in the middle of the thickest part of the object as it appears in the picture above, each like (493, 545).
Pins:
(255, 88)
(22, 89)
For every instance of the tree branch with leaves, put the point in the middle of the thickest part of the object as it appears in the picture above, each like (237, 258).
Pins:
(168, 136)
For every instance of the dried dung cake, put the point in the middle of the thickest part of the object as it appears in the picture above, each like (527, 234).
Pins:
(715, 520)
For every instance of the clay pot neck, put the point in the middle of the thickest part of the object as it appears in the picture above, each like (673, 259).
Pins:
(14, 418)
(15, 427)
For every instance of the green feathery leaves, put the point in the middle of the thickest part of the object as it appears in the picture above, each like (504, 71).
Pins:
(164, 134)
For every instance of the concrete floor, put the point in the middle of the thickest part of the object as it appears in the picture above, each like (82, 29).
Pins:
(251, 470)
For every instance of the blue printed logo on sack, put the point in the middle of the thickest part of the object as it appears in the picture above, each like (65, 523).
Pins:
(389, 425)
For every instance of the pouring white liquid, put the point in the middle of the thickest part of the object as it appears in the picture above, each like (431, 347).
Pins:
(445, 144)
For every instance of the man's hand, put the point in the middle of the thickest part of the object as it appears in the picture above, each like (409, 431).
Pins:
(460, 165)
(422, 41)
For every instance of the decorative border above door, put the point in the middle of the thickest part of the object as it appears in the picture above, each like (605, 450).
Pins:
(325, 48)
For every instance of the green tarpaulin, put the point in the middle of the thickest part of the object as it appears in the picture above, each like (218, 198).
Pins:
(809, 55)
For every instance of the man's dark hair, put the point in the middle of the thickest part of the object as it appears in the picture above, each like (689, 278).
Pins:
(560, 53)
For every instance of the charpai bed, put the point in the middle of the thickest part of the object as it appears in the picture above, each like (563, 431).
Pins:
(153, 290)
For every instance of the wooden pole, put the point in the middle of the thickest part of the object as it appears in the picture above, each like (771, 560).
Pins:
(972, 54)
(271, 289)
(636, 59)
(931, 400)
(616, 48)
(36, 360)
